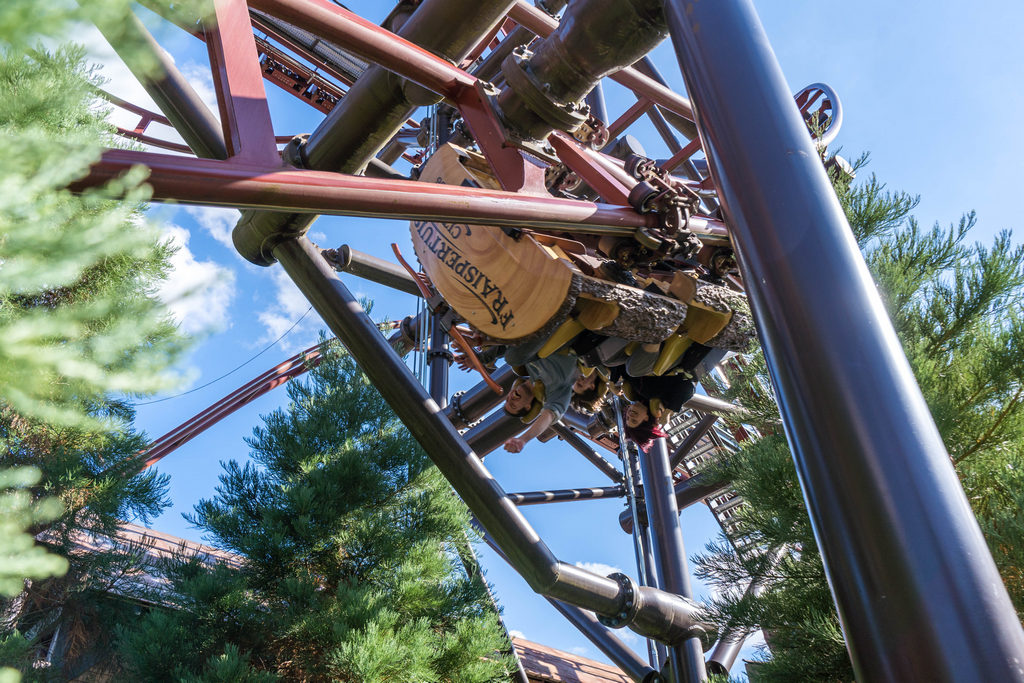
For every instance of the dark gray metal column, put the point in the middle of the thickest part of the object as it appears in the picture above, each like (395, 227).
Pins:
(348, 260)
(660, 655)
(917, 591)
(669, 552)
(587, 451)
(698, 432)
(438, 359)
(688, 491)
(728, 647)
(171, 91)
(493, 431)
(466, 407)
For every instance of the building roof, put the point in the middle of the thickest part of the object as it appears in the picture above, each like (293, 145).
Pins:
(543, 664)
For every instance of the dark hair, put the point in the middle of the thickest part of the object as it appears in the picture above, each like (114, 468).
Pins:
(522, 412)
(588, 401)
(645, 432)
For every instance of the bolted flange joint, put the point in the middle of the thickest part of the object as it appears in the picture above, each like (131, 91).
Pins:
(543, 109)
(628, 607)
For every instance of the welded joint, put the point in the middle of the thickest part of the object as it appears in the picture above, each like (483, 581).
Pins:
(652, 613)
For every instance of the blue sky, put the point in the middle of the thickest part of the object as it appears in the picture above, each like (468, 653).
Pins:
(931, 89)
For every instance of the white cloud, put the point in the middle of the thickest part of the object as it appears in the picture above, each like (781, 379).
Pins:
(216, 221)
(198, 293)
(517, 634)
(756, 639)
(627, 636)
(199, 76)
(122, 83)
(578, 650)
(289, 305)
(599, 568)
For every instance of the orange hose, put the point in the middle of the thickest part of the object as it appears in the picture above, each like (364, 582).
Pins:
(421, 283)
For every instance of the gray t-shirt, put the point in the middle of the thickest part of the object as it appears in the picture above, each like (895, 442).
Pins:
(557, 373)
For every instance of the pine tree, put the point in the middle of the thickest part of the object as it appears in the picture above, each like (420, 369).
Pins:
(78, 321)
(956, 309)
(350, 544)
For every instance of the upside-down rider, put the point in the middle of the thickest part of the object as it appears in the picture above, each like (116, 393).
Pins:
(541, 395)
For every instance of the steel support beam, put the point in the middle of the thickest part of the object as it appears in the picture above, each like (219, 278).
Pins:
(171, 91)
(466, 407)
(587, 451)
(438, 358)
(698, 432)
(697, 488)
(345, 259)
(565, 495)
(653, 613)
(218, 183)
(378, 104)
(491, 432)
(687, 657)
(917, 592)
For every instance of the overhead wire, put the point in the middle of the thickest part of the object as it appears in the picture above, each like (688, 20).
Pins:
(233, 370)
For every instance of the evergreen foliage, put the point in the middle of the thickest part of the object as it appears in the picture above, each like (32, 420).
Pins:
(956, 309)
(78, 320)
(350, 542)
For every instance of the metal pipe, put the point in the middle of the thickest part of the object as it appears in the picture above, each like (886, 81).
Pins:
(587, 451)
(563, 495)
(604, 639)
(642, 86)
(684, 125)
(656, 652)
(345, 259)
(729, 645)
(598, 108)
(491, 65)
(595, 39)
(613, 648)
(438, 358)
(653, 613)
(698, 432)
(661, 125)
(466, 407)
(709, 404)
(171, 91)
(218, 183)
(642, 548)
(492, 432)
(687, 657)
(917, 592)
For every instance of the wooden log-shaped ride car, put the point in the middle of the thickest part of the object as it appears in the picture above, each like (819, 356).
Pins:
(517, 287)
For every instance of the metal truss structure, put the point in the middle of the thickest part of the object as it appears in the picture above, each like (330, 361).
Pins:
(917, 592)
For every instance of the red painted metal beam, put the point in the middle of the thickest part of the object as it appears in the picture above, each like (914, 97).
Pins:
(366, 39)
(247, 393)
(238, 78)
(225, 183)
(613, 187)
